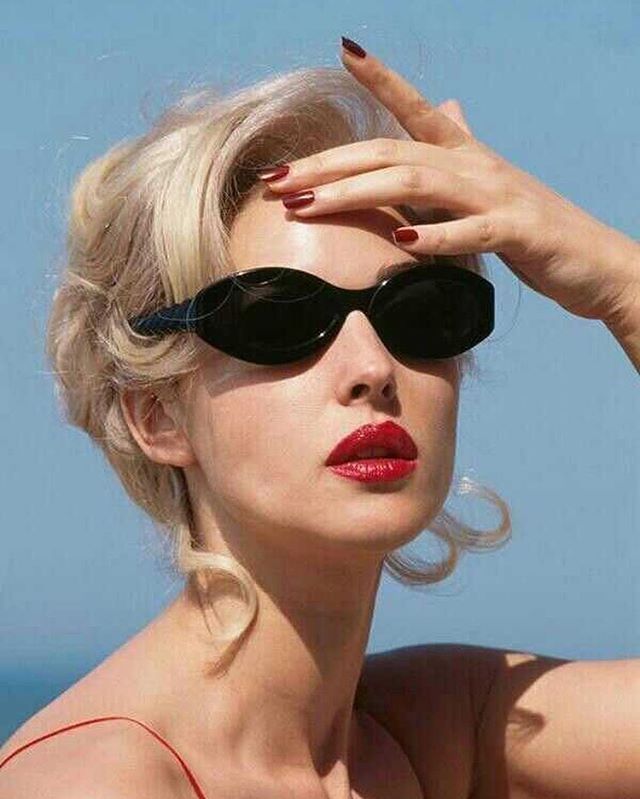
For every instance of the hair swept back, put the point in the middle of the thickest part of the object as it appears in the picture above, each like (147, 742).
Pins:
(149, 225)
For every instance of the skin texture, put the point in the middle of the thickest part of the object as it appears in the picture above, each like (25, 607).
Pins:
(253, 440)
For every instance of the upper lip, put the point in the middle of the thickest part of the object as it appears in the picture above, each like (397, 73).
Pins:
(388, 434)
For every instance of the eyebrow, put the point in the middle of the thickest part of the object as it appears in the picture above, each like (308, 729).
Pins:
(393, 269)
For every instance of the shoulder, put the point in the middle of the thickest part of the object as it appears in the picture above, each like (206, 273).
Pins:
(114, 759)
(430, 698)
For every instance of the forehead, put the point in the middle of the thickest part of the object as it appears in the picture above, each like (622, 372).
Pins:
(346, 248)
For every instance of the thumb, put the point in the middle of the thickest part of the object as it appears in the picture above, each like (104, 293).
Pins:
(453, 110)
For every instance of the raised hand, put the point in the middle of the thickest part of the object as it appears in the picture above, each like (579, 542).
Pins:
(553, 246)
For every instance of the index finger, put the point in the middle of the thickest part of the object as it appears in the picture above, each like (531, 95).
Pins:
(414, 112)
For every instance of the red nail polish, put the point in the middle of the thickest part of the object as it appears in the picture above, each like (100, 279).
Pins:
(273, 172)
(353, 47)
(405, 234)
(298, 199)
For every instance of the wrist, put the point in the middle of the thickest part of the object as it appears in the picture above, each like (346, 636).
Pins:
(624, 319)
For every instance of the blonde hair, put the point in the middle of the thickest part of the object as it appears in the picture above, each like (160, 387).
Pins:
(149, 226)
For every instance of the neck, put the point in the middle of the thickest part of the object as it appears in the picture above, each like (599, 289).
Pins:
(284, 709)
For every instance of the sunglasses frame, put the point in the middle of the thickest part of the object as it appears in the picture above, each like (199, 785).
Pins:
(190, 315)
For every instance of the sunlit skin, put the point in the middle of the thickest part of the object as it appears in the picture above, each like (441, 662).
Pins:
(253, 444)
(252, 441)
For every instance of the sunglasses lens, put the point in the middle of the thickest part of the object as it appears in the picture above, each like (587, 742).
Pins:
(277, 315)
(268, 315)
(428, 316)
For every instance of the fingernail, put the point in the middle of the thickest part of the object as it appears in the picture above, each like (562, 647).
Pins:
(405, 234)
(353, 47)
(298, 199)
(273, 172)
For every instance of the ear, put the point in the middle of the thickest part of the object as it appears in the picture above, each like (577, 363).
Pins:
(155, 425)
(453, 110)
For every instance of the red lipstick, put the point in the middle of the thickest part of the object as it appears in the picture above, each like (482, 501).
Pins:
(352, 457)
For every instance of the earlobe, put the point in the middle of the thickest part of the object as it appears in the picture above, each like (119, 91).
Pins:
(155, 428)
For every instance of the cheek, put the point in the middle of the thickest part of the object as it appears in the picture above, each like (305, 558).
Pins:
(251, 442)
(436, 423)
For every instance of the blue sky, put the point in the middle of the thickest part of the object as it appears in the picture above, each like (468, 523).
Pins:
(554, 427)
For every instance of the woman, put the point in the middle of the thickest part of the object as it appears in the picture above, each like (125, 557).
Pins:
(253, 443)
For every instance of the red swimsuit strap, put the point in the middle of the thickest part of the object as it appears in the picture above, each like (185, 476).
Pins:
(191, 778)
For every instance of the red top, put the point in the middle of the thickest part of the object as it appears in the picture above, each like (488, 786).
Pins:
(194, 784)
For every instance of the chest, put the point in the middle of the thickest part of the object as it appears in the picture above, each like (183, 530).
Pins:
(384, 771)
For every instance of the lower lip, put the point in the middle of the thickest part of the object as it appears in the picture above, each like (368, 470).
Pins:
(375, 470)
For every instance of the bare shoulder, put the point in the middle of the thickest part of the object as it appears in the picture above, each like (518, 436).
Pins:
(430, 698)
(106, 760)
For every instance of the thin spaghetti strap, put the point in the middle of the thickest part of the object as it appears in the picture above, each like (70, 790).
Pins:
(194, 784)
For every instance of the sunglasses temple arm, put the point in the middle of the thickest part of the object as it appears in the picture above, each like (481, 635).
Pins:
(168, 320)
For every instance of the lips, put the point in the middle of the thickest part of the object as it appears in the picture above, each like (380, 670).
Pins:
(388, 435)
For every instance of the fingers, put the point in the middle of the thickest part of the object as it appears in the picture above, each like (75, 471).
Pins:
(395, 185)
(359, 157)
(423, 121)
(473, 234)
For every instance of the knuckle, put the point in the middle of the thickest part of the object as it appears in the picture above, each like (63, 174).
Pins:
(316, 163)
(335, 193)
(493, 164)
(411, 178)
(440, 237)
(529, 235)
(417, 106)
(487, 233)
(484, 157)
(521, 223)
(385, 150)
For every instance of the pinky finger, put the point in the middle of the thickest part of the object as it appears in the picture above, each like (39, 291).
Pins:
(473, 234)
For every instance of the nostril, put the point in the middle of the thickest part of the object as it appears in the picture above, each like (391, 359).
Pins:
(388, 391)
(359, 390)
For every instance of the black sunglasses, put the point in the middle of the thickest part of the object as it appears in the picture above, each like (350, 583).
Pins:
(278, 315)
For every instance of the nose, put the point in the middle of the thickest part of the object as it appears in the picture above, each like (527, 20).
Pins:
(367, 368)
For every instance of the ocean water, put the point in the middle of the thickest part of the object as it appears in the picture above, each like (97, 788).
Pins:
(22, 695)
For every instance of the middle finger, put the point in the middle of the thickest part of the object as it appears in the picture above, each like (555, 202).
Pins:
(396, 185)
(362, 156)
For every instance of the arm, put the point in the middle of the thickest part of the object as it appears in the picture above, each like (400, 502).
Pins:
(626, 328)
(623, 320)
(558, 728)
